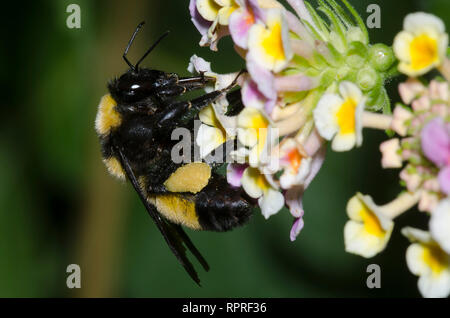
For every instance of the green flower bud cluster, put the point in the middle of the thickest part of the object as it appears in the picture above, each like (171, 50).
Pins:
(348, 55)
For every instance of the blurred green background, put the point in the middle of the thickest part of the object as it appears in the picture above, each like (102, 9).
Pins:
(58, 205)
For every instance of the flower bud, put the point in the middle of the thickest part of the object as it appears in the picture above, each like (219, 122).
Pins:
(367, 78)
(381, 57)
(357, 55)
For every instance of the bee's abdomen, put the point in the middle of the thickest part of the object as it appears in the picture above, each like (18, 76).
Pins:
(220, 207)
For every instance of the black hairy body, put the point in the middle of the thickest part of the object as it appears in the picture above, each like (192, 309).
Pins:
(134, 124)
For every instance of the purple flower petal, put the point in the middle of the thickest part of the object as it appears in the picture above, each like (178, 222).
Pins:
(252, 97)
(294, 196)
(296, 228)
(316, 164)
(296, 26)
(260, 13)
(301, 10)
(436, 142)
(234, 173)
(263, 78)
(240, 23)
(294, 200)
(444, 180)
(295, 83)
(200, 23)
(314, 143)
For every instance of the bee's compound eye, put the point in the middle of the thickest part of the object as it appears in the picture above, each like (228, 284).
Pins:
(134, 88)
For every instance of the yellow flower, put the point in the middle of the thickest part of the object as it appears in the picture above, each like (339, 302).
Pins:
(421, 45)
(255, 133)
(339, 117)
(270, 200)
(295, 163)
(216, 10)
(369, 230)
(426, 259)
(211, 134)
(269, 44)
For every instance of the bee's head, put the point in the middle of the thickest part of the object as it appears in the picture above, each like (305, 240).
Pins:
(135, 85)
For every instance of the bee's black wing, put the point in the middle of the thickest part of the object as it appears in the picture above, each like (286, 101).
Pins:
(172, 233)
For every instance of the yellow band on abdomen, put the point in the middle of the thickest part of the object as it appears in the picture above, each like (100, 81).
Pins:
(176, 208)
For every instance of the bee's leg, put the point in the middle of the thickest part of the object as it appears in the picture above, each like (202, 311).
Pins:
(181, 113)
(184, 85)
(235, 105)
(192, 83)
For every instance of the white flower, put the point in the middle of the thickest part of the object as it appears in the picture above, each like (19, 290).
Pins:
(269, 44)
(421, 45)
(440, 224)
(296, 163)
(369, 230)
(198, 65)
(255, 132)
(426, 259)
(339, 117)
(217, 11)
(211, 134)
(270, 200)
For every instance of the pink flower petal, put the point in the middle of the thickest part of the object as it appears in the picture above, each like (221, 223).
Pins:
(316, 164)
(314, 143)
(401, 115)
(240, 23)
(263, 78)
(410, 90)
(439, 90)
(252, 97)
(296, 26)
(436, 142)
(296, 228)
(294, 200)
(301, 10)
(294, 196)
(390, 154)
(234, 173)
(258, 12)
(412, 180)
(200, 23)
(295, 83)
(421, 104)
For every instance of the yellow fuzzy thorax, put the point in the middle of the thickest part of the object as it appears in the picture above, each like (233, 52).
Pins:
(107, 116)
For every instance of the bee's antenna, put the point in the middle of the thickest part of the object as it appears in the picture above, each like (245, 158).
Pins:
(129, 44)
(151, 49)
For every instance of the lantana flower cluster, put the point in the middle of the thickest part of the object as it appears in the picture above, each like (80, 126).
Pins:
(308, 81)
(313, 77)
(421, 150)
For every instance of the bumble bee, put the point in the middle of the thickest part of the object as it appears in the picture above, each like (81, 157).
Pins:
(134, 124)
